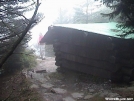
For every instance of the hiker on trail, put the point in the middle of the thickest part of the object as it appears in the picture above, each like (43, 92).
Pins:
(41, 46)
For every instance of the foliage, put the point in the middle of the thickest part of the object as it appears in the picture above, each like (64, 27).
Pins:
(125, 10)
(14, 27)
(12, 24)
(18, 61)
(90, 12)
(63, 17)
(79, 16)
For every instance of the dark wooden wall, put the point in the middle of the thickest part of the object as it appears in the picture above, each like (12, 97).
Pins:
(92, 53)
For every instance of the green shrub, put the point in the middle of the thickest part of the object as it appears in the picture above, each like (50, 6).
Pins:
(18, 61)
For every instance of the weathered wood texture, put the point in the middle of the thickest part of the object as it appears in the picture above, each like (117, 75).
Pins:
(92, 53)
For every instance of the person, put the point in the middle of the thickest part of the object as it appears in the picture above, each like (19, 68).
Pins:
(41, 46)
(40, 37)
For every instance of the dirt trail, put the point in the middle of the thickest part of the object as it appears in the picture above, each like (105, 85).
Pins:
(72, 86)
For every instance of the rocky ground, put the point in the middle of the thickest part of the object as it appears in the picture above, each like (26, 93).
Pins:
(73, 86)
(15, 87)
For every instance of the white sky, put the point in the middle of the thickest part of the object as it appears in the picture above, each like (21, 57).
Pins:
(50, 10)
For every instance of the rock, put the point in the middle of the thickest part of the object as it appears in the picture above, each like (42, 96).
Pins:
(58, 90)
(34, 86)
(91, 90)
(47, 77)
(77, 95)
(68, 99)
(32, 70)
(42, 80)
(63, 85)
(82, 90)
(130, 88)
(125, 89)
(90, 96)
(112, 95)
(52, 97)
(101, 90)
(103, 94)
(47, 85)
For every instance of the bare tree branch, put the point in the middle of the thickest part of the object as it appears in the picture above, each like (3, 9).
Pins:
(10, 52)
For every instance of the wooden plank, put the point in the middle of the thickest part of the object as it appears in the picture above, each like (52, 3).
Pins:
(57, 44)
(132, 76)
(123, 44)
(128, 63)
(92, 44)
(78, 37)
(58, 63)
(82, 38)
(126, 78)
(92, 53)
(86, 69)
(117, 77)
(87, 52)
(125, 54)
(91, 62)
(127, 71)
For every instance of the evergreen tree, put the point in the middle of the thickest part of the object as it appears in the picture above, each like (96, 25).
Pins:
(63, 17)
(124, 9)
(14, 27)
(89, 11)
(82, 12)
(80, 16)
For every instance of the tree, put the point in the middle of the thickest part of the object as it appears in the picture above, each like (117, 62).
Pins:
(63, 17)
(90, 12)
(124, 9)
(80, 16)
(82, 12)
(14, 26)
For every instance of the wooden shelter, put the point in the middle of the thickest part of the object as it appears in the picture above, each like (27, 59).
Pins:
(93, 48)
